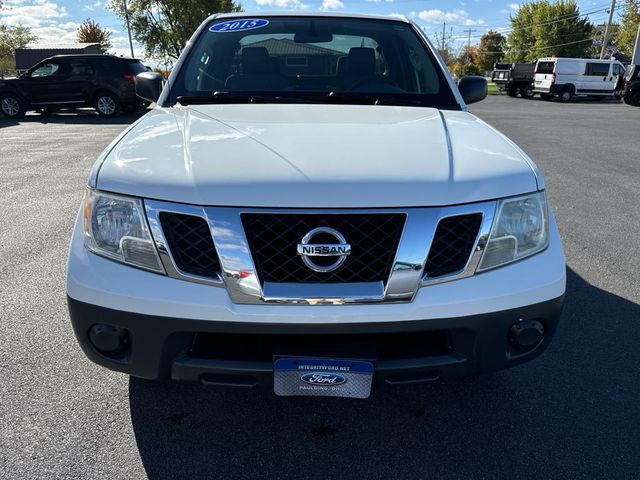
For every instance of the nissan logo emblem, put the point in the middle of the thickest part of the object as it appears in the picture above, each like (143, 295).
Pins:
(307, 249)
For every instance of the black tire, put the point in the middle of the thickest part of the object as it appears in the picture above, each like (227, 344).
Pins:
(566, 95)
(512, 92)
(527, 92)
(634, 99)
(107, 104)
(545, 96)
(11, 106)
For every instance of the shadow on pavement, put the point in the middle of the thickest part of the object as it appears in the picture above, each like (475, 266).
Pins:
(572, 413)
(80, 116)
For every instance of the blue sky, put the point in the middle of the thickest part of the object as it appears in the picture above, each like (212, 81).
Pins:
(56, 20)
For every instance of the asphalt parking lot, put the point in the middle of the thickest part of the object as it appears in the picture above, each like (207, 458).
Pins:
(572, 413)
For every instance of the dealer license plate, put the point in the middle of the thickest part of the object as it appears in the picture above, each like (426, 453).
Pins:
(322, 377)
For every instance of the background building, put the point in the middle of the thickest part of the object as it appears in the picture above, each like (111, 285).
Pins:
(27, 57)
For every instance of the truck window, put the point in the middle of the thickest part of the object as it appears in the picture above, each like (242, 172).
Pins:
(135, 67)
(80, 68)
(597, 69)
(631, 72)
(46, 70)
(545, 67)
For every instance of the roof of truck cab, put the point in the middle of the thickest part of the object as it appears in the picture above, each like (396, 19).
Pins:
(400, 18)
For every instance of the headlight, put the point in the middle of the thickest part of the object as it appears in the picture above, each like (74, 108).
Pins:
(520, 229)
(115, 227)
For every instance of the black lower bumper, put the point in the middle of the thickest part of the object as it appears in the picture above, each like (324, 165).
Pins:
(241, 354)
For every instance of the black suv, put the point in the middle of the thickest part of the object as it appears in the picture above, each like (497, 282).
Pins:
(104, 82)
(632, 85)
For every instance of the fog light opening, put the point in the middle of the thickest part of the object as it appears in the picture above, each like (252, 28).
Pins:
(109, 340)
(524, 336)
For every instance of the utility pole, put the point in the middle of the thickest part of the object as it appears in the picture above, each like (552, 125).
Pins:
(443, 25)
(126, 16)
(607, 31)
(470, 31)
(636, 51)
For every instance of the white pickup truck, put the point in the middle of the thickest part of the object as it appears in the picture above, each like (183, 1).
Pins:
(310, 207)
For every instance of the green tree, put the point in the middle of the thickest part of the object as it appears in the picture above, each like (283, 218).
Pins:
(10, 39)
(543, 28)
(90, 32)
(459, 70)
(469, 55)
(629, 22)
(466, 63)
(491, 49)
(164, 26)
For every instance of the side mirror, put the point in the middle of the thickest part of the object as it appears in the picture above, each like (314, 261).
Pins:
(472, 88)
(148, 85)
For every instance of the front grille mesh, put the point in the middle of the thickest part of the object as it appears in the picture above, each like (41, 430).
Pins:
(274, 237)
(452, 244)
(191, 244)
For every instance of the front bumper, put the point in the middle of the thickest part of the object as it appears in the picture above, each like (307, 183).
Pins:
(238, 354)
(464, 323)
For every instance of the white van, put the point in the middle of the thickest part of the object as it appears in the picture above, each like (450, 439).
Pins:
(566, 77)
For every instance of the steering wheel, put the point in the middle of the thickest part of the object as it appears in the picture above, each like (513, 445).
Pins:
(378, 79)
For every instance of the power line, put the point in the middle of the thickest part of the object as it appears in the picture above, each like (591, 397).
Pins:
(550, 22)
(544, 47)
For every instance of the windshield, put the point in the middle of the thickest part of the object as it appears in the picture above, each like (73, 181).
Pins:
(306, 58)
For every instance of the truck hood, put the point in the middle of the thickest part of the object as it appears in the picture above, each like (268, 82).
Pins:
(323, 156)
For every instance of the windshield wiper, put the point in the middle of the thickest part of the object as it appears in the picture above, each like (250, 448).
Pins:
(333, 97)
(235, 97)
(349, 98)
(355, 98)
(219, 97)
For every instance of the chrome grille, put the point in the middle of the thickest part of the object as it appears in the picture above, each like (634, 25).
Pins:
(273, 239)
(191, 244)
(452, 244)
(185, 236)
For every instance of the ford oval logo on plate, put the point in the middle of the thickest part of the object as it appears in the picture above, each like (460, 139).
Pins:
(238, 25)
(323, 378)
